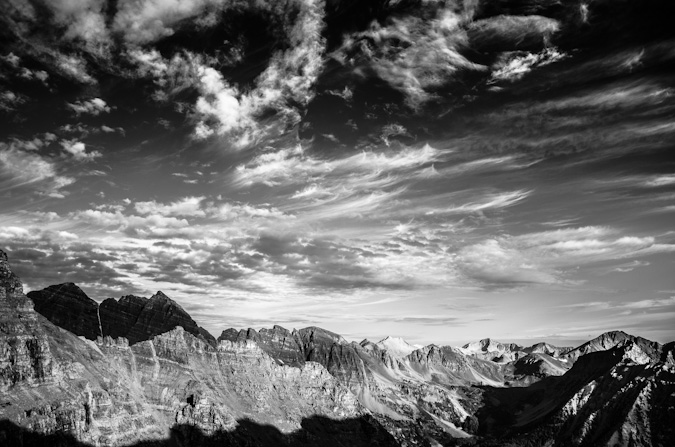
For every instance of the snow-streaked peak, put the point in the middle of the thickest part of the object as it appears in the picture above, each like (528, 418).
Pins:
(397, 347)
(484, 345)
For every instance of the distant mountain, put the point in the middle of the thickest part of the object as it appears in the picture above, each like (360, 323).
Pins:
(489, 349)
(397, 346)
(609, 340)
(545, 348)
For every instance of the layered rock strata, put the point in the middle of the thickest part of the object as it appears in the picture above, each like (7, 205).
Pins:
(25, 357)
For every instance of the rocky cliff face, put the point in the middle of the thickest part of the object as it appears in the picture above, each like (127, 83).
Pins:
(25, 357)
(313, 344)
(278, 342)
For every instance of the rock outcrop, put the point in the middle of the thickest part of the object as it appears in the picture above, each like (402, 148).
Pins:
(278, 342)
(25, 357)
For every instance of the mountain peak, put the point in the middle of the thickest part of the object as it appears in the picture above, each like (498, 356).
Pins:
(614, 335)
(69, 307)
(396, 346)
(161, 296)
(484, 345)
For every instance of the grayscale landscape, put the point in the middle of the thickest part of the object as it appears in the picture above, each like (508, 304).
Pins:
(337, 223)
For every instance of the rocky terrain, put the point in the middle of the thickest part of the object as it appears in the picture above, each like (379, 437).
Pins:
(61, 389)
(140, 371)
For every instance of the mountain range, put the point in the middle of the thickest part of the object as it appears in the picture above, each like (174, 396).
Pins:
(141, 371)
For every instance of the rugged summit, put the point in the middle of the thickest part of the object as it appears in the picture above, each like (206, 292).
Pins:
(609, 340)
(137, 319)
(132, 317)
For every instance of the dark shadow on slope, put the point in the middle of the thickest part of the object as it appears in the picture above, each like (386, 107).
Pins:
(316, 431)
(509, 413)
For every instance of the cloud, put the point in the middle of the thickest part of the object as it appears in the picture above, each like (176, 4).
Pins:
(512, 66)
(27, 169)
(11, 59)
(415, 55)
(84, 20)
(78, 150)
(188, 206)
(43, 258)
(321, 264)
(94, 106)
(661, 180)
(9, 100)
(491, 263)
(543, 257)
(655, 304)
(630, 266)
(490, 201)
(142, 22)
(71, 66)
(280, 91)
(292, 166)
(230, 211)
(284, 86)
(220, 102)
(504, 32)
(650, 304)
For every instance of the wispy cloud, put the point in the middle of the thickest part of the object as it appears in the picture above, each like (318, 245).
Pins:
(543, 257)
(20, 169)
(414, 55)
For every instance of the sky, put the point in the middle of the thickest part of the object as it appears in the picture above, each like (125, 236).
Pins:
(436, 170)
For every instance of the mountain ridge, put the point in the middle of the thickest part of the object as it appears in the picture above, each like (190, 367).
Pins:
(132, 317)
(433, 394)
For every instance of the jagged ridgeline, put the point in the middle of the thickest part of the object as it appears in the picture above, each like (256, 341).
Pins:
(140, 371)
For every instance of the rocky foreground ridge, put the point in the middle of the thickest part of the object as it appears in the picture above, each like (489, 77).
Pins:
(140, 370)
